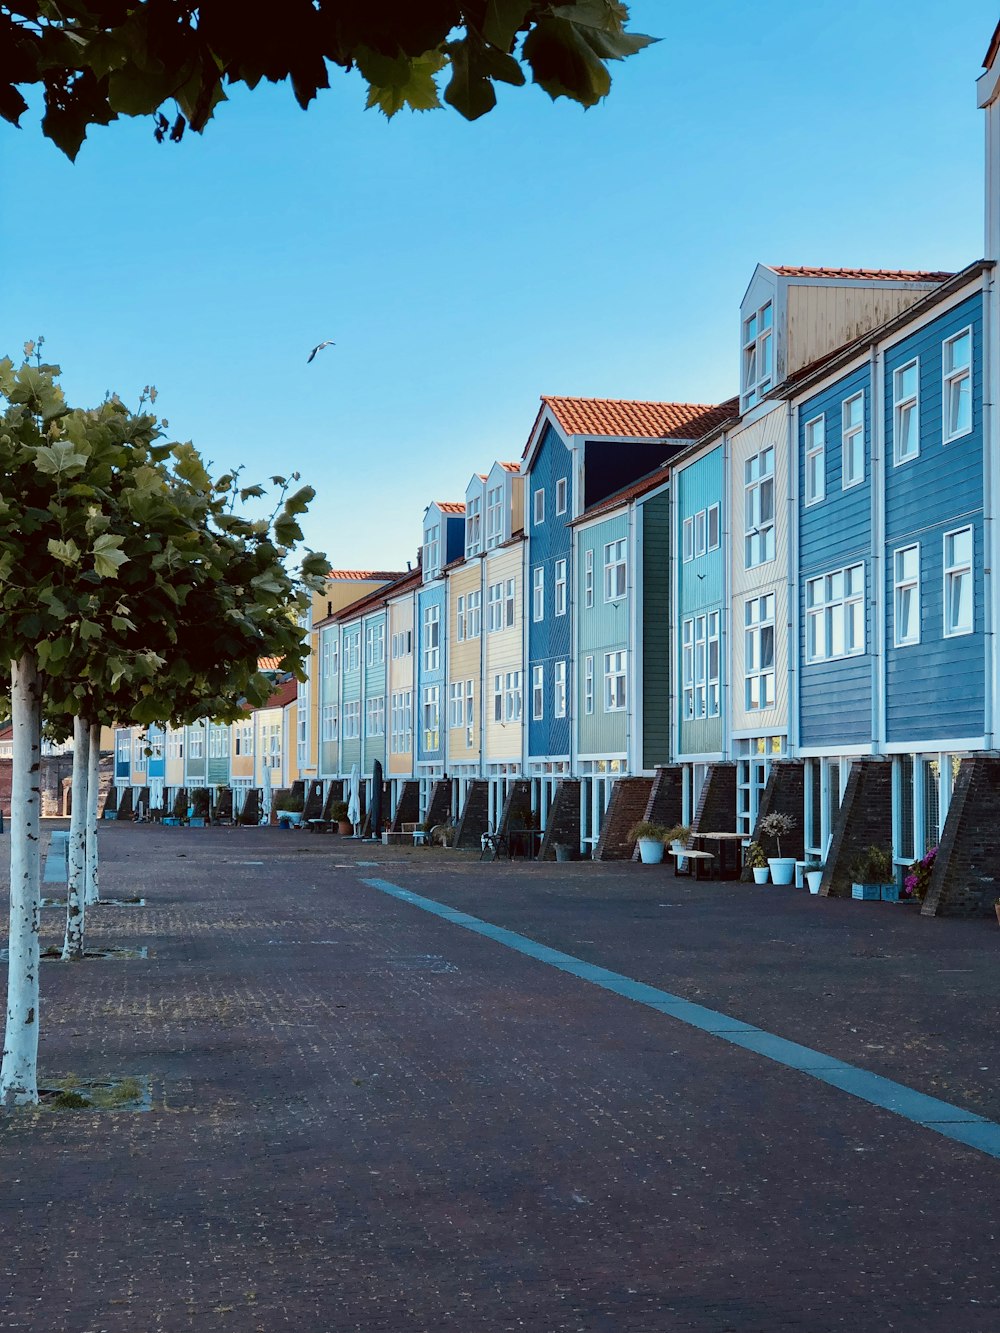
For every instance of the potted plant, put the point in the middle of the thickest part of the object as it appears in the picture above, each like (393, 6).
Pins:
(198, 809)
(650, 838)
(871, 872)
(814, 875)
(289, 806)
(777, 826)
(678, 836)
(916, 881)
(755, 860)
(338, 812)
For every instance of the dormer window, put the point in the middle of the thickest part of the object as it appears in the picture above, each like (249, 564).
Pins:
(494, 516)
(473, 525)
(432, 551)
(758, 355)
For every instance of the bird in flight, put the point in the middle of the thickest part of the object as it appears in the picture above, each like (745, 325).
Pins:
(318, 348)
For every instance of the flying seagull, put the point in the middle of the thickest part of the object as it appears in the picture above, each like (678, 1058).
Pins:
(318, 348)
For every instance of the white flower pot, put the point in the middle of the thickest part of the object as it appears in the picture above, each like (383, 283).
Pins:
(782, 869)
(650, 851)
(760, 874)
(814, 878)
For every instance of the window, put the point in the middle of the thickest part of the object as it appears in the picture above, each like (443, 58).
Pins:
(538, 593)
(712, 683)
(432, 641)
(538, 503)
(759, 652)
(614, 570)
(470, 713)
(432, 717)
(473, 615)
(714, 527)
(473, 525)
(375, 716)
(537, 693)
(512, 696)
(588, 578)
(906, 412)
(957, 373)
(852, 442)
(138, 751)
(196, 747)
(588, 685)
(559, 690)
(614, 682)
(352, 720)
(243, 738)
(271, 739)
(328, 723)
(494, 607)
(456, 704)
(352, 650)
(906, 595)
(561, 490)
(815, 432)
(301, 728)
(958, 613)
(460, 619)
(560, 588)
(835, 614)
(687, 669)
(402, 722)
(375, 643)
(402, 643)
(218, 737)
(175, 745)
(758, 478)
(509, 602)
(699, 533)
(757, 355)
(432, 551)
(328, 657)
(687, 529)
(494, 516)
(700, 658)
(498, 698)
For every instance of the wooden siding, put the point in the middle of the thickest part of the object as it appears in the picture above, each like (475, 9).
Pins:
(465, 662)
(401, 678)
(654, 621)
(195, 769)
(700, 585)
(217, 767)
(350, 692)
(503, 651)
(174, 767)
(822, 317)
(549, 640)
(431, 595)
(328, 692)
(603, 628)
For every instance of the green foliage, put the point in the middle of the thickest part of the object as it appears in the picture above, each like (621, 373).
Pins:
(873, 866)
(754, 858)
(338, 811)
(290, 800)
(96, 60)
(678, 833)
(647, 831)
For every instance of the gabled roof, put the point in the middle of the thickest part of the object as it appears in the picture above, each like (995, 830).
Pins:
(858, 274)
(450, 506)
(377, 597)
(268, 663)
(511, 467)
(364, 575)
(285, 694)
(639, 420)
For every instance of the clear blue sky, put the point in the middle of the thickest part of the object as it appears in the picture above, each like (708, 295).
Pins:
(466, 269)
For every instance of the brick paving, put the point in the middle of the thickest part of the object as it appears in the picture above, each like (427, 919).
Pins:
(368, 1119)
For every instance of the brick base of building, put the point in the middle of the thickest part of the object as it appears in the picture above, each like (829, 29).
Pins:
(250, 811)
(666, 799)
(408, 808)
(864, 820)
(475, 818)
(563, 822)
(716, 812)
(439, 810)
(313, 808)
(516, 813)
(784, 794)
(965, 880)
(629, 798)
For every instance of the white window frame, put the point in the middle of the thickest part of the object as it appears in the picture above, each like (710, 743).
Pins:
(955, 381)
(537, 693)
(351, 721)
(562, 491)
(700, 533)
(494, 516)
(758, 348)
(510, 603)
(616, 569)
(588, 684)
(687, 669)
(832, 608)
(616, 681)
(375, 715)
(497, 697)
(538, 593)
(494, 607)
(474, 525)
(470, 713)
(713, 670)
(687, 540)
(538, 507)
(588, 578)
(814, 482)
(758, 616)
(902, 583)
(952, 570)
(328, 723)
(560, 587)
(431, 717)
(456, 705)
(903, 404)
(714, 518)
(431, 557)
(850, 436)
(460, 618)
(432, 638)
(758, 538)
(559, 679)
(512, 696)
(474, 614)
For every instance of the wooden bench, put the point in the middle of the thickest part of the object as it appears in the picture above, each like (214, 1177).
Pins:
(696, 861)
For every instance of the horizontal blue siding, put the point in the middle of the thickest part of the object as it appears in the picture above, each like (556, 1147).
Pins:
(836, 530)
(550, 639)
(836, 696)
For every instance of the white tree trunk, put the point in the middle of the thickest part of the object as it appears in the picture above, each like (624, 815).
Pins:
(77, 865)
(93, 892)
(19, 1071)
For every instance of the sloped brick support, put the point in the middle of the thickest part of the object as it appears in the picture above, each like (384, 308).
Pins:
(109, 801)
(408, 809)
(784, 795)
(716, 812)
(313, 808)
(629, 798)
(475, 818)
(666, 799)
(125, 803)
(250, 814)
(439, 810)
(105, 785)
(563, 823)
(864, 820)
(224, 805)
(516, 813)
(965, 880)
(55, 769)
(366, 831)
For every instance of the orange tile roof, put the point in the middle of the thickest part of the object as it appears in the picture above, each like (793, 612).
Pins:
(400, 584)
(364, 575)
(511, 467)
(859, 274)
(268, 663)
(646, 421)
(451, 506)
(285, 694)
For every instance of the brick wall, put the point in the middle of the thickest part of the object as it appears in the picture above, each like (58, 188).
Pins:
(965, 880)
(563, 822)
(475, 818)
(251, 807)
(666, 799)
(439, 810)
(629, 798)
(516, 813)
(408, 809)
(864, 820)
(716, 812)
(784, 794)
(314, 800)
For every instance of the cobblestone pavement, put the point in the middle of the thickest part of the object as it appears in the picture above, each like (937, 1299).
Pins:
(368, 1119)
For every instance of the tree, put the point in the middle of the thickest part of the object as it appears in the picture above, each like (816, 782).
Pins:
(96, 60)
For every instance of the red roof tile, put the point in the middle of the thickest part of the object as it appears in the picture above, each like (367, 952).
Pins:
(646, 421)
(285, 694)
(511, 467)
(451, 506)
(859, 274)
(268, 663)
(400, 584)
(364, 575)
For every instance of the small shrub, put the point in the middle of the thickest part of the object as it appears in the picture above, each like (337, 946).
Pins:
(753, 857)
(678, 833)
(646, 830)
(872, 867)
(777, 826)
(918, 877)
(338, 812)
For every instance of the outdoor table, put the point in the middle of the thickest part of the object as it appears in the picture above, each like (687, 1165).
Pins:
(525, 842)
(723, 842)
(498, 844)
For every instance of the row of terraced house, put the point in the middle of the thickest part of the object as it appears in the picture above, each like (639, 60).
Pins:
(694, 612)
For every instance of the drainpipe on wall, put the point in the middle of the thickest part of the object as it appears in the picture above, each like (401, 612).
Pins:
(991, 476)
(878, 581)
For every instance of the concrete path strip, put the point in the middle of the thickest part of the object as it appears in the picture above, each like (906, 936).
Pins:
(944, 1118)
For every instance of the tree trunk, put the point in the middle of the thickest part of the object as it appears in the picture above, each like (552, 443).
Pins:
(19, 1071)
(77, 865)
(93, 892)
